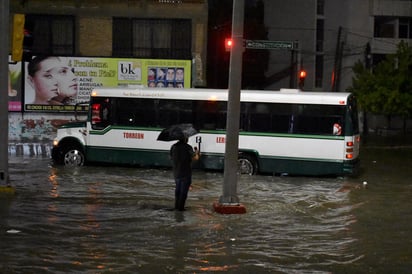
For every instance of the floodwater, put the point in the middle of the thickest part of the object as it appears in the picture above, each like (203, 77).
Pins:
(119, 220)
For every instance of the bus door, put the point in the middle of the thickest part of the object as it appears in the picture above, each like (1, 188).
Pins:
(100, 121)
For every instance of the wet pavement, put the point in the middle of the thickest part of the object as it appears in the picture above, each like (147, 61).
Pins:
(119, 220)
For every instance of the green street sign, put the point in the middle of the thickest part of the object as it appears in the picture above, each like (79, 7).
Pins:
(264, 44)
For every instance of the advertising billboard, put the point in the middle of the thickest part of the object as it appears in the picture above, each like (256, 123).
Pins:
(14, 86)
(57, 84)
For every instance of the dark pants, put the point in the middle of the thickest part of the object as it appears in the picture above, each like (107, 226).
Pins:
(182, 188)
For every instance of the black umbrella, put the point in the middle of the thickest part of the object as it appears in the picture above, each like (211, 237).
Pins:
(177, 132)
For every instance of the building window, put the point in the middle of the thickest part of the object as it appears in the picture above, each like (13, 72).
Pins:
(405, 30)
(385, 27)
(152, 38)
(319, 71)
(320, 7)
(391, 27)
(320, 34)
(49, 35)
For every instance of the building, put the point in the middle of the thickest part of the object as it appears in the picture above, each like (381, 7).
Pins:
(103, 39)
(165, 29)
(332, 35)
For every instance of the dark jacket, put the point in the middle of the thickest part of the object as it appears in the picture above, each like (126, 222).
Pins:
(182, 154)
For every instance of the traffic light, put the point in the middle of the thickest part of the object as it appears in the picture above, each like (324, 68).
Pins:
(18, 37)
(302, 76)
(27, 44)
(228, 44)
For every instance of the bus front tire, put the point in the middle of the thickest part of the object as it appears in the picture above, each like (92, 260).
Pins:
(73, 156)
(247, 164)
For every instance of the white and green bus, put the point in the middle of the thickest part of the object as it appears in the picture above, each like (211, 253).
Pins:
(287, 131)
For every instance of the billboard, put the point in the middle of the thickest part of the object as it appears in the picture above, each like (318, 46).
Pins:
(14, 86)
(57, 84)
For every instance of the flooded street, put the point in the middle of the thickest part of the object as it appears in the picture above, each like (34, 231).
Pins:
(119, 219)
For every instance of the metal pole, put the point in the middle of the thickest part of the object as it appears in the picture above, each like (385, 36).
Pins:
(229, 197)
(295, 62)
(335, 65)
(4, 96)
(299, 67)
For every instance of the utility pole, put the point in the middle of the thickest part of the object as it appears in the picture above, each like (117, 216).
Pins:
(338, 61)
(4, 96)
(229, 201)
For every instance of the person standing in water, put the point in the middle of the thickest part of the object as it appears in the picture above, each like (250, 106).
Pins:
(182, 155)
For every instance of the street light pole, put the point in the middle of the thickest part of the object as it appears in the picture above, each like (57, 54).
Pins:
(229, 201)
(4, 101)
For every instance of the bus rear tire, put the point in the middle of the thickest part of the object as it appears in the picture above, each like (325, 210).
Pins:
(73, 156)
(247, 164)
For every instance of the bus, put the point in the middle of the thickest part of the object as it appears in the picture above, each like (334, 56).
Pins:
(288, 131)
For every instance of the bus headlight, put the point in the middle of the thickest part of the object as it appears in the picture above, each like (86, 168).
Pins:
(55, 142)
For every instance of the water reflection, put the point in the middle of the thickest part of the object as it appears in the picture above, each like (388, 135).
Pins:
(100, 219)
(53, 180)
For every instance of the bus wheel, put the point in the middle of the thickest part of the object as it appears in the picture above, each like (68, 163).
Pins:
(247, 164)
(73, 156)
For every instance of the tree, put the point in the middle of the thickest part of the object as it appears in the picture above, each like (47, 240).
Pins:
(387, 89)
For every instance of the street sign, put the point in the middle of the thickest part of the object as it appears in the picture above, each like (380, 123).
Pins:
(264, 44)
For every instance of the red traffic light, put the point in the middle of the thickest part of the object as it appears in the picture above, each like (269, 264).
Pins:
(302, 74)
(228, 44)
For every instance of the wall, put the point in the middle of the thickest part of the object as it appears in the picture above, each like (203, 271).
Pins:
(93, 41)
(33, 133)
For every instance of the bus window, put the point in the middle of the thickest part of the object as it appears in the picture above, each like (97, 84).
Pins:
(318, 119)
(175, 112)
(126, 112)
(101, 113)
(168, 113)
(185, 111)
(259, 118)
(259, 122)
(210, 115)
(280, 123)
(221, 115)
(267, 117)
(282, 119)
(146, 112)
(135, 112)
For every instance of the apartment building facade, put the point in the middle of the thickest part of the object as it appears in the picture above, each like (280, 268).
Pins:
(165, 29)
(333, 34)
